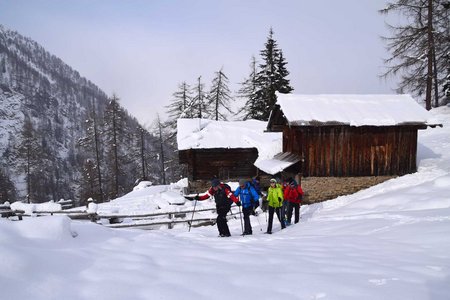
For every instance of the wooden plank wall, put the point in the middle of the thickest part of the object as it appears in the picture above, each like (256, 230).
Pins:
(204, 164)
(353, 151)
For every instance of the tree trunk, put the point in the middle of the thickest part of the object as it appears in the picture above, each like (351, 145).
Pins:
(144, 176)
(28, 175)
(97, 153)
(429, 56)
(116, 159)
(162, 151)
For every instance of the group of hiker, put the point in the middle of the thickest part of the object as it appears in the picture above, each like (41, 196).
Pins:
(283, 199)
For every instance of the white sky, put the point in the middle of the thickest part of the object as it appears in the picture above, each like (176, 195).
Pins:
(142, 50)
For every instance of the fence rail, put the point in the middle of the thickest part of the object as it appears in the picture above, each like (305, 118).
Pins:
(116, 220)
(170, 223)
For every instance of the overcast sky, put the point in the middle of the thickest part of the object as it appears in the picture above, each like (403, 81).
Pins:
(142, 50)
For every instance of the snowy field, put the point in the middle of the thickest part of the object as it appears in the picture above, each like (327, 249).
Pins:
(391, 241)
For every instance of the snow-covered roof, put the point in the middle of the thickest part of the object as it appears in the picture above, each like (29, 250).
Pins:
(353, 110)
(277, 163)
(209, 134)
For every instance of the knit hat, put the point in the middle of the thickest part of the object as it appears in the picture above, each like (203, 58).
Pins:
(241, 182)
(215, 182)
(273, 180)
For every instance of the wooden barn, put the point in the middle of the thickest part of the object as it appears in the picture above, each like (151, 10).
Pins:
(225, 149)
(349, 135)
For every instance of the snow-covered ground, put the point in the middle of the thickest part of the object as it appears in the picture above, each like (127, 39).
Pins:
(391, 241)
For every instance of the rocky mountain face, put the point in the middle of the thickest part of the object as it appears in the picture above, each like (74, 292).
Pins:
(46, 109)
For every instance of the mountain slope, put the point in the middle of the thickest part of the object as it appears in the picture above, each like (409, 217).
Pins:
(40, 91)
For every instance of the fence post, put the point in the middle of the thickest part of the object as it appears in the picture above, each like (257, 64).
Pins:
(91, 210)
(170, 224)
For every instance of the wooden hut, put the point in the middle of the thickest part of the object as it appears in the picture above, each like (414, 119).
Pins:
(227, 150)
(349, 135)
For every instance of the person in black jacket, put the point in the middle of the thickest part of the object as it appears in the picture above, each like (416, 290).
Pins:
(223, 198)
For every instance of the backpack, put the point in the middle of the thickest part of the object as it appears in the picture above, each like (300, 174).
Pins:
(221, 198)
(252, 199)
(257, 189)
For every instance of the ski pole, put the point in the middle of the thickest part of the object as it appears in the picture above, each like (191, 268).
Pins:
(265, 213)
(240, 217)
(264, 199)
(192, 218)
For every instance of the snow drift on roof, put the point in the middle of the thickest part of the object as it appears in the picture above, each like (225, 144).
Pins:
(277, 163)
(208, 134)
(353, 110)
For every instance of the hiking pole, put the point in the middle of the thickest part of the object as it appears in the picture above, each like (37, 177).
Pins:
(192, 218)
(264, 199)
(265, 213)
(240, 217)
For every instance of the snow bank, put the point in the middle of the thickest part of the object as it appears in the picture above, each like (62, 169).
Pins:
(47, 228)
(36, 207)
(142, 185)
(173, 198)
(147, 199)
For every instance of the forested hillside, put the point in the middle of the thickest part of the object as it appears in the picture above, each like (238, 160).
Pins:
(60, 135)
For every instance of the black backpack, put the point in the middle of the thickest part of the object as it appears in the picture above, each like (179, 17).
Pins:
(221, 198)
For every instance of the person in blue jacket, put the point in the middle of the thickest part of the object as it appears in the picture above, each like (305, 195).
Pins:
(250, 200)
(256, 184)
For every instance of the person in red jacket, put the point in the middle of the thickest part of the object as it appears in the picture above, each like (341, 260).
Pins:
(223, 198)
(293, 193)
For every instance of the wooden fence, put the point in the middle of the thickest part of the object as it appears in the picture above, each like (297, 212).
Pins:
(144, 221)
(6, 212)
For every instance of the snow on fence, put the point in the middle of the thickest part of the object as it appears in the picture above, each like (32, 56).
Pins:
(148, 221)
(144, 221)
(66, 204)
(7, 212)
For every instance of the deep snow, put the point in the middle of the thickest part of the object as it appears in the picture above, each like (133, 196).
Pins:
(391, 241)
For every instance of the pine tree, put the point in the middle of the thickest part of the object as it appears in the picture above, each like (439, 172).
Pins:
(445, 40)
(115, 134)
(7, 189)
(269, 79)
(281, 81)
(92, 166)
(181, 104)
(248, 91)
(174, 170)
(89, 189)
(199, 103)
(160, 152)
(143, 158)
(3, 65)
(419, 48)
(141, 153)
(29, 151)
(219, 97)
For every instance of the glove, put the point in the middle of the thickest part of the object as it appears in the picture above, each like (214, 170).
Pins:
(188, 198)
(197, 197)
(256, 205)
(238, 203)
